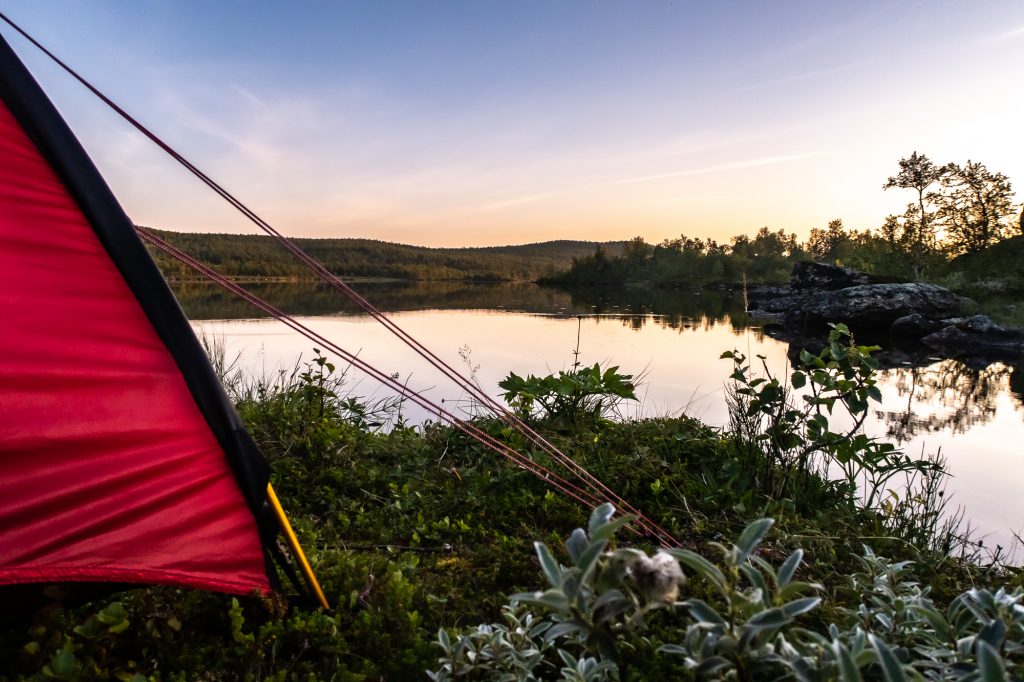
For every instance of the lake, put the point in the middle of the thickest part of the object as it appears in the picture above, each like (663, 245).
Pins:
(972, 412)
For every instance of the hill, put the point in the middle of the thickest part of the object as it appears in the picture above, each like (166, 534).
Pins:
(259, 256)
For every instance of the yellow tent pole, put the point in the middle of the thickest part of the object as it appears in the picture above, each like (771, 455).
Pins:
(296, 547)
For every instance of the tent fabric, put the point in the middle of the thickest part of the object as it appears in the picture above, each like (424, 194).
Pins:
(121, 460)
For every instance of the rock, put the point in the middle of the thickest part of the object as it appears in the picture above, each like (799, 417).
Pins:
(773, 302)
(760, 293)
(977, 335)
(874, 306)
(914, 326)
(890, 314)
(913, 322)
(819, 276)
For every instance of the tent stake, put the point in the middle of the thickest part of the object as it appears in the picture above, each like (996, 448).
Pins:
(296, 547)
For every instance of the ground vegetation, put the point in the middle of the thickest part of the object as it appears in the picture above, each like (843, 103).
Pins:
(424, 541)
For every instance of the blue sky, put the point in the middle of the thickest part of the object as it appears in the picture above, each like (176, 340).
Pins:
(477, 123)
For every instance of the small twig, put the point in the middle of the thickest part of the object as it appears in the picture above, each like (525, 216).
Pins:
(364, 595)
(576, 350)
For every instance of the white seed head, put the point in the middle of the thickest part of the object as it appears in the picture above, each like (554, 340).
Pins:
(658, 577)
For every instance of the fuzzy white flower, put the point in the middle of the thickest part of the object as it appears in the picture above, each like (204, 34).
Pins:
(658, 577)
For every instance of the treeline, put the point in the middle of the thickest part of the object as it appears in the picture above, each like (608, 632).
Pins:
(962, 218)
(957, 215)
(237, 255)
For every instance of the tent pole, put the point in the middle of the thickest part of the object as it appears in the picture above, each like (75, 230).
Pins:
(296, 547)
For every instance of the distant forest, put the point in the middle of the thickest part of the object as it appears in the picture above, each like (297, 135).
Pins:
(258, 256)
(962, 228)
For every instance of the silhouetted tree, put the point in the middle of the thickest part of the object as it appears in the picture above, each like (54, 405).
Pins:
(974, 206)
(826, 245)
(637, 252)
(917, 172)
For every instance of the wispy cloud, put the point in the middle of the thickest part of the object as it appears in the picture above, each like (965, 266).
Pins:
(249, 96)
(718, 168)
(514, 201)
(797, 77)
(1008, 35)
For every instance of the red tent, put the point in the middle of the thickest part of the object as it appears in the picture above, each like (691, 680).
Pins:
(121, 458)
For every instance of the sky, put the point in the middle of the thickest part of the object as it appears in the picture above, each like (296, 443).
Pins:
(483, 123)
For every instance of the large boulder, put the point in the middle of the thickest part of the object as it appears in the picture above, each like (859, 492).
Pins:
(914, 322)
(876, 306)
(773, 302)
(914, 326)
(823, 277)
(977, 335)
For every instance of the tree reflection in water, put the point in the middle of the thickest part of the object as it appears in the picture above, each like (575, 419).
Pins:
(682, 310)
(961, 396)
(937, 396)
(632, 307)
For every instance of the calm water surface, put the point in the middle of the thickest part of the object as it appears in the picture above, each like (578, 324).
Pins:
(973, 413)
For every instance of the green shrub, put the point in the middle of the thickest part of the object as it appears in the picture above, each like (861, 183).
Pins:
(790, 432)
(578, 398)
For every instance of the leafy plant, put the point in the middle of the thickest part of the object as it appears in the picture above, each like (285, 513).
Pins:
(793, 430)
(513, 650)
(596, 607)
(740, 624)
(580, 397)
(757, 602)
(980, 635)
(591, 608)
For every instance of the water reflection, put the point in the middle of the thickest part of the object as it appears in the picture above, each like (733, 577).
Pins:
(929, 394)
(636, 307)
(210, 302)
(630, 307)
(948, 396)
(959, 395)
